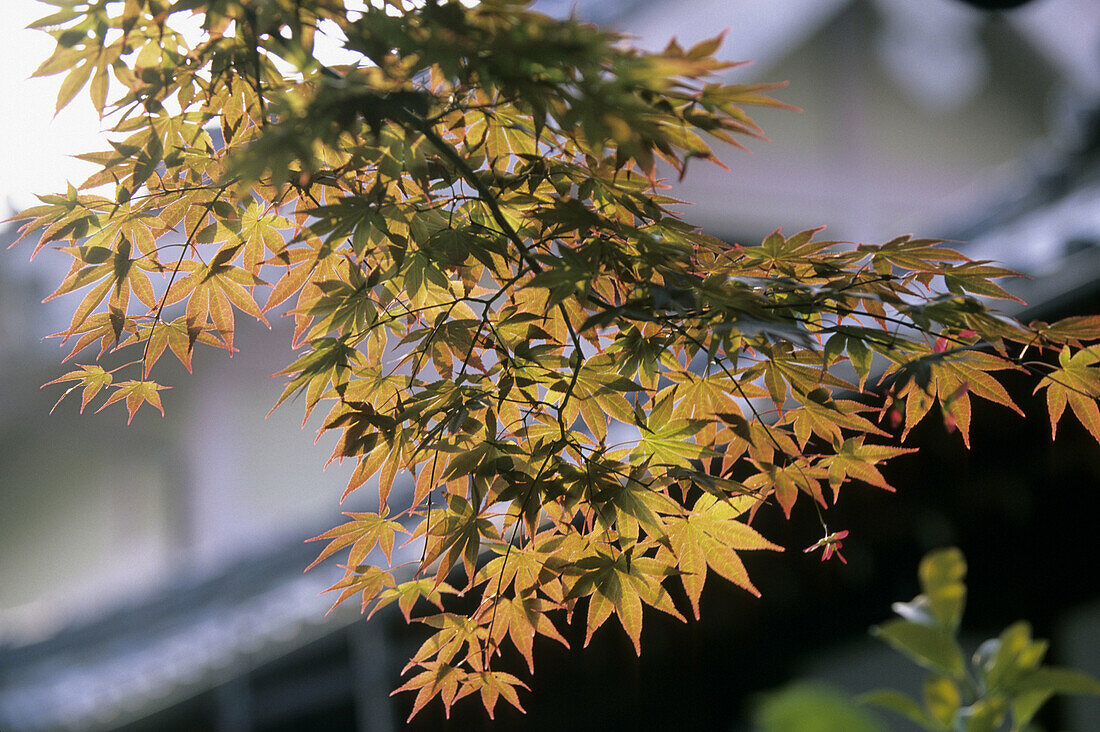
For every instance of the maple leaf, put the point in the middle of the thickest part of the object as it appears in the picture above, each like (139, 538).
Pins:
(363, 533)
(262, 232)
(492, 685)
(328, 363)
(1070, 330)
(856, 460)
(91, 377)
(710, 535)
(666, 441)
(455, 633)
(101, 327)
(825, 417)
(212, 291)
(368, 581)
(174, 335)
(1076, 382)
(115, 273)
(950, 375)
(522, 617)
(135, 393)
(620, 585)
(458, 533)
(907, 253)
(438, 679)
(785, 482)
(407, 593)
(525, 568)
(800, 372)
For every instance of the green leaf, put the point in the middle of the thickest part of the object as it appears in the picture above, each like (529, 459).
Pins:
(899, 703)
(932, 648)
(1038, 685)
(941, 576)
(1014, 654)
(72, 84)
(942, 699)
(1060, 681)
(984, 715)
(811, 707)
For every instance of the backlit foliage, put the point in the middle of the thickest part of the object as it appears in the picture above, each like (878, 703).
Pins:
(493, 296)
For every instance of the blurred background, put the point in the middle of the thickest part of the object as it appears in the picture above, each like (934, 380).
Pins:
(151, 576)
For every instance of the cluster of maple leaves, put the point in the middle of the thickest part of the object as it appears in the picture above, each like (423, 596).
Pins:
(588, 397)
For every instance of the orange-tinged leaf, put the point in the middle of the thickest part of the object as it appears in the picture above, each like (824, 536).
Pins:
(406, 594)
(91, 377)
(520, 618)
(285, 287)
(492, 685)
(599, 610)
(440, 679)
(711, 535)
(363, 533)
(629, 609)
(1076, 382)
(856, 460)
(1056, 405)
(688, 549)
(91, 301)
(786, 491)
(368, 582)
(101, 327)
(135, 393)
(1085, 409)
(1070, 330)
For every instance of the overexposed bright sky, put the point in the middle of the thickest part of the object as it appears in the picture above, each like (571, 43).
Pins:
(36, 146)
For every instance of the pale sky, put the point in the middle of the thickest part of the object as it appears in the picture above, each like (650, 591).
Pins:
(36, 151)
(34, 157)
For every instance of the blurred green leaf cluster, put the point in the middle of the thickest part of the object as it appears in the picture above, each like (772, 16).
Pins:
(1004, 684)
(1001, 687)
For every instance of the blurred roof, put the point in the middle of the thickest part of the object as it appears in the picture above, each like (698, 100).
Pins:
(921, 117)
(170, 647)
(1066, 32)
